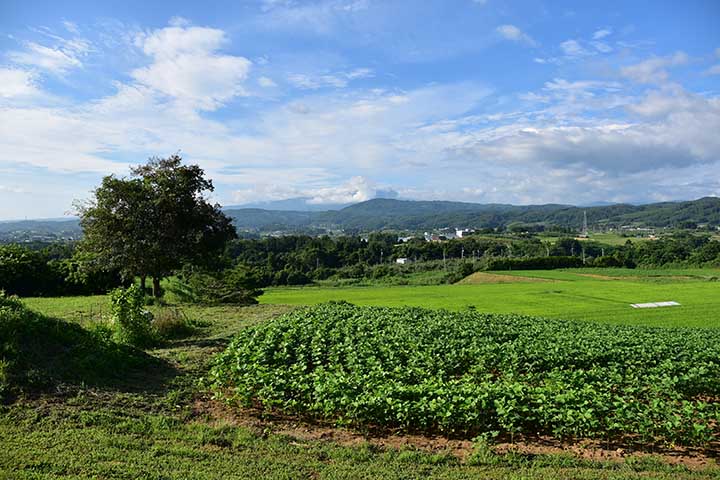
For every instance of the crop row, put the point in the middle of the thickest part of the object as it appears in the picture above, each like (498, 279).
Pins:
(470, 373)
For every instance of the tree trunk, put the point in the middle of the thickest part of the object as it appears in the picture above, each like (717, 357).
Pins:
(157, 292)
(142, 283)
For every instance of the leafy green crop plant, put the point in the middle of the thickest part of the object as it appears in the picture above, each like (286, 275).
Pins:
(467, 373)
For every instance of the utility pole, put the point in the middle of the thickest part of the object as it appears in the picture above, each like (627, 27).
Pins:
(381, 256)
(462, 252)
(583, 254)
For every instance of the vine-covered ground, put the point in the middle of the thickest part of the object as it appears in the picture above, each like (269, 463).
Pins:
(467, 373)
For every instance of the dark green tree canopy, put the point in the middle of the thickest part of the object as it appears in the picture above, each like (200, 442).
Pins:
(154, 222)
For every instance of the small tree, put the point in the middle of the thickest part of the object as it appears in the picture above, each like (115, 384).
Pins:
(154, 222)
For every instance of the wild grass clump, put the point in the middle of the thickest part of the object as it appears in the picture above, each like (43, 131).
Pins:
(37, 352)
(468, 373)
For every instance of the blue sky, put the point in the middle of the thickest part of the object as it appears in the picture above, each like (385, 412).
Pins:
(345, 100)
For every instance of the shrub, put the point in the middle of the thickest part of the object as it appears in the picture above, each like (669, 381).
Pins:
(236, 286)
(131, 322)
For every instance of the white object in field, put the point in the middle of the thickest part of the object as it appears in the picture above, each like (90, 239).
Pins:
(655, 304)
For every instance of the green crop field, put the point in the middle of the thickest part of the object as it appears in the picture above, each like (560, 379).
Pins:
(602, 295)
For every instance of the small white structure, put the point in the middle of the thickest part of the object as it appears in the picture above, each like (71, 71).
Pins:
(462, 232)
(403, 260)
(655, 304)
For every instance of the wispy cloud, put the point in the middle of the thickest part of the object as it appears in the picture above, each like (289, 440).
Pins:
(654, 70)
(336, 80)
(602, 33)
(513, 33)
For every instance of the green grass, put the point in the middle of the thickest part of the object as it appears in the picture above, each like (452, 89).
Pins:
(571, 296)
(152, 426)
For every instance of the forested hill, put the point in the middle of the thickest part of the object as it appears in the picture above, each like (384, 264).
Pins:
(419, 215)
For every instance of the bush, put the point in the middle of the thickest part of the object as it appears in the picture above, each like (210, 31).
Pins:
(130, 320)
(237, 285)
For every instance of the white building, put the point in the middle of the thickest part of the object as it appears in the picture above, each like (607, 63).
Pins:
(403, 260)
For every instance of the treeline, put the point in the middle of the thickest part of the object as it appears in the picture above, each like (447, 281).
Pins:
(250, 264)
(296, 260)
(54, 270)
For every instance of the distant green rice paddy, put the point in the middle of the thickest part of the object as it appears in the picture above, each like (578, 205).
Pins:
(601, 295)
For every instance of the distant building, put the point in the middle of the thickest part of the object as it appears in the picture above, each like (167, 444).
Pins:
(463, 232)
(431, 237)
(403, 260)
(404, 239)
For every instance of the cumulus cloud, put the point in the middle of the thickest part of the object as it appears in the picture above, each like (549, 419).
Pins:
(188, 67)
(354, 190)
(513, 33)
(654, 70)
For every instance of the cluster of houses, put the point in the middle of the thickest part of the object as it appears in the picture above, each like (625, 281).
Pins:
(447, 234)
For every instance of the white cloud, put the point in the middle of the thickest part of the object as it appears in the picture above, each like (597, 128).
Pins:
(334, 80)
(266, 82)
(511, 32)
(572, 48)
(356, 189)
(653, 69)
(602, 47)
(53, 59)
(71, 26)
(187, 66)
(7, 189)
(17, 83)
(602, 33)
(714, 70)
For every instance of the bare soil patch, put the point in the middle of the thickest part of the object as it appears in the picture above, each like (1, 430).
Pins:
(306, 430)
(483, 277)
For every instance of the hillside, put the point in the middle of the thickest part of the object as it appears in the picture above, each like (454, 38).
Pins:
(420, 215)
(382, 213)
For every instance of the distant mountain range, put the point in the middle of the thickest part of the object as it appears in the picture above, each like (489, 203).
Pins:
(379, 214)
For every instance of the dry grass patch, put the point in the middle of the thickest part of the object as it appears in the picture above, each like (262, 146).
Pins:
(484, 277)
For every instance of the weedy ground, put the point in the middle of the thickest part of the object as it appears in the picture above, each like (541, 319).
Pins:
(158, 422)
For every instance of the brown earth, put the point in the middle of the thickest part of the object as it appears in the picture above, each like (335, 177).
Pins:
(310, 430)
(483, 277)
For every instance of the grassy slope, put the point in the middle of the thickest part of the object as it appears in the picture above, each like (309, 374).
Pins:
(571, 296)
(149, 427)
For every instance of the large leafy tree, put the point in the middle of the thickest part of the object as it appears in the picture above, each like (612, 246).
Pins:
(154, 222)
